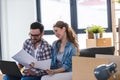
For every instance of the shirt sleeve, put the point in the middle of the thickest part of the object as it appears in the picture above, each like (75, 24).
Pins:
(67, 64)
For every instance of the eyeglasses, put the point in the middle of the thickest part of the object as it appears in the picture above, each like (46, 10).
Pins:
(34, 35)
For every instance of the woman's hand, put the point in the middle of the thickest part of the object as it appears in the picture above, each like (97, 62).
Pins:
(50, 71)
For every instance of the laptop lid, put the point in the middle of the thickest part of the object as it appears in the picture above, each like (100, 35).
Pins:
(10, 68)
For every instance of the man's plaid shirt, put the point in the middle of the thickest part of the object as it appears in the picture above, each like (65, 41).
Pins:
(43, 53)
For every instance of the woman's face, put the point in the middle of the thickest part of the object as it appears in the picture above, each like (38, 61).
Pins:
(59, 32)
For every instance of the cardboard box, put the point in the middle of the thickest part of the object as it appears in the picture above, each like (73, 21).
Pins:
(115, 59)
(101, 42)
(83, 67)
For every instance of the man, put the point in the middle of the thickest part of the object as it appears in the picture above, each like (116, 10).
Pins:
(37, 47)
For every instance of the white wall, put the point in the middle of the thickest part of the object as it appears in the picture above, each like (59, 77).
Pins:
(17, 15)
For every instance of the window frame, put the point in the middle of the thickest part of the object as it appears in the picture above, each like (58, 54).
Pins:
(73, 15)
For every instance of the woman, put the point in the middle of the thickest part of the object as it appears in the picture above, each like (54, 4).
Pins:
(62, 51)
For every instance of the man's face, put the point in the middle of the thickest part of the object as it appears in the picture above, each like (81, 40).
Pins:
(35, 35)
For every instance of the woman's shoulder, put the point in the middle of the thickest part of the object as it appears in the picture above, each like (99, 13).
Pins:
(55, 42)
(70, 44)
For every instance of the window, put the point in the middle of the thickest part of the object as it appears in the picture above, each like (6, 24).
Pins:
(117, 12)
(79, 13)
(92, 12)
(54, 10)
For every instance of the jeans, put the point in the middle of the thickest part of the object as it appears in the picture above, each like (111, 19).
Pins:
(8, 77)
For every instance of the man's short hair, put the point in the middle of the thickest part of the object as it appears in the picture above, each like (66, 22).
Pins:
(37, 25)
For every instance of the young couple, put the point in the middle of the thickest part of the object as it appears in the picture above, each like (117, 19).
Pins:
(60, 53)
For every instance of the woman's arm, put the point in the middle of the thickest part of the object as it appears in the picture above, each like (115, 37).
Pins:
(55, 71)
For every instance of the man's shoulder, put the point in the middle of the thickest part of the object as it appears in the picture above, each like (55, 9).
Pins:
(45, 42)
(27, 40)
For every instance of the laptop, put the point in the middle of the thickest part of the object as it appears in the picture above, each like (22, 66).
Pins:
(10, 68)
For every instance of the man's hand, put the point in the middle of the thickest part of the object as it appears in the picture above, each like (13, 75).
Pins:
(20, 66)
(32, 64)
(28, 72)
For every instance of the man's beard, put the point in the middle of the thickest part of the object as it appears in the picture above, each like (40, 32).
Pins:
(35, 41)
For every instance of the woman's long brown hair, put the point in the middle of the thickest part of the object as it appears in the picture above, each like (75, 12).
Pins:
(71, 35)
